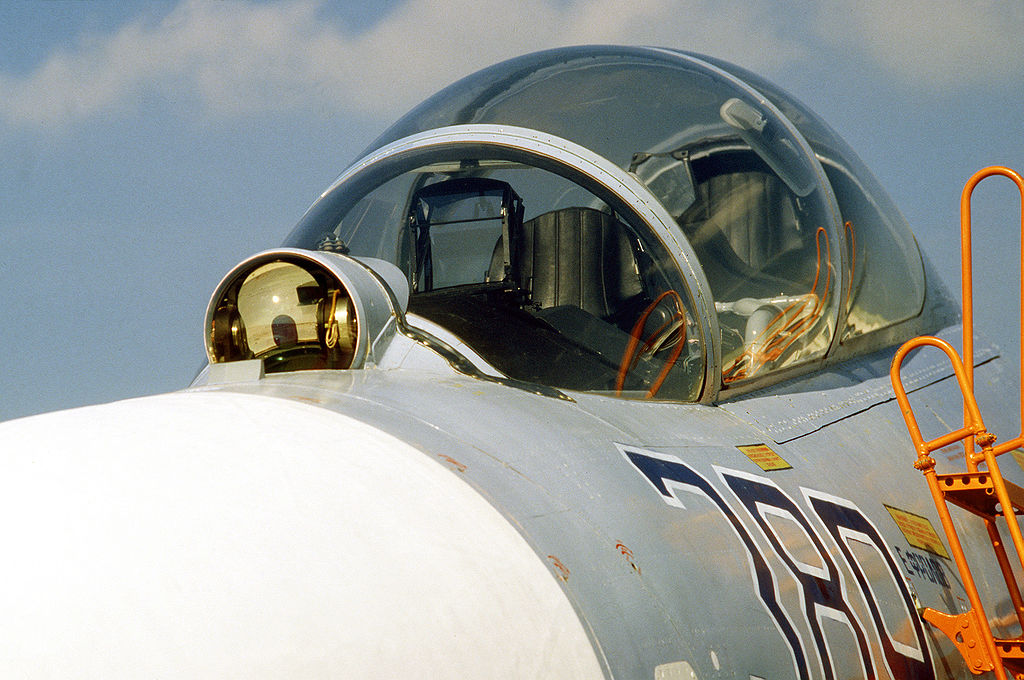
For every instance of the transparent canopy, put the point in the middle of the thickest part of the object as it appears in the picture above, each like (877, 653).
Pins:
(554, 280)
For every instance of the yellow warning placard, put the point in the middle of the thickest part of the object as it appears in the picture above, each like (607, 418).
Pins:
(918, 531)
(763, 457)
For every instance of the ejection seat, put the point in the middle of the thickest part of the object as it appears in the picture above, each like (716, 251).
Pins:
(582, 272)
(575, 259)
(747, 235)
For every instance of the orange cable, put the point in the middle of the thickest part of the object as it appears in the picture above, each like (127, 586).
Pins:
(632, 354)
(848, 228)
(799, 322)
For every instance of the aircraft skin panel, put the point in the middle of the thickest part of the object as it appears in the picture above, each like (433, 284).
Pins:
(798, 408)
(228, 535)
(654, 524)
(577, 500)
(638, 556)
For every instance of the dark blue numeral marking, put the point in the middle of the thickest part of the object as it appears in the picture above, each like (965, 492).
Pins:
(822, 587)
(843, 520)
(668, 476)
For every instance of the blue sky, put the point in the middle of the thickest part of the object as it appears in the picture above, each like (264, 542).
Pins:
(147, 147)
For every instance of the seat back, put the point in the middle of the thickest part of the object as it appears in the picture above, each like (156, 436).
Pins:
(574, 256)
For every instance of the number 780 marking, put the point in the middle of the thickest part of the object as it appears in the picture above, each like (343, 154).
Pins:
(823, 588)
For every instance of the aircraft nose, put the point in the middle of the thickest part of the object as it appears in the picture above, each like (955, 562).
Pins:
(209, 534)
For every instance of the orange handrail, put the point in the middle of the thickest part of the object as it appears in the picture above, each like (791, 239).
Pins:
(973, 429)
(948, 488)
(966, 277)
(973, 425)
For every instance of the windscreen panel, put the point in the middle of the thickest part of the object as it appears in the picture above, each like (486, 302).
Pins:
(545, 279)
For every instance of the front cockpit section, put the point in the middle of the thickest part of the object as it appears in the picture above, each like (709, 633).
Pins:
(634, 222)
(548, 280)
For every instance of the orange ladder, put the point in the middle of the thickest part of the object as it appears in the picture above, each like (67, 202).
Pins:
(982, 492)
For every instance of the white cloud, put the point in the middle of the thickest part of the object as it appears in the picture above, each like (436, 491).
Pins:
(419, 49)
(230, 56)
(236, 58)
(933, 45)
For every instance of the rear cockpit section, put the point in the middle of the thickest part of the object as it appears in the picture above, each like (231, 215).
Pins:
(769, 262)
(886, 274)
(635, 222)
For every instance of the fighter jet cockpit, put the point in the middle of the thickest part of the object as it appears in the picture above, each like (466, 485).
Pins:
(543, 277)
(639, 223)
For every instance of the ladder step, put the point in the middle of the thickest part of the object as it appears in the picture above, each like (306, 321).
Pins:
(1011, 652)
(1012, 648)
(973, 491)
